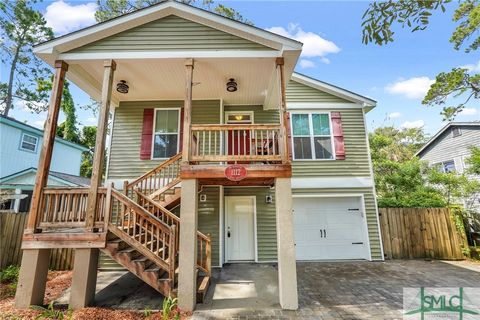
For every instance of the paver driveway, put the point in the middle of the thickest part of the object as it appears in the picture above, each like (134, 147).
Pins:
(332, 290)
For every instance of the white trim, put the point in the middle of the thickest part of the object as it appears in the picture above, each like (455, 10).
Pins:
(221, 226)
(336, 91)
(332, 182)
(312, 135)
(16, 204)
(227, 199)
(250, 113)
(31, 136)
(153, 130)
(322, 105)
(359, 196)
(107, 169)
(119, 55)
(370, 163)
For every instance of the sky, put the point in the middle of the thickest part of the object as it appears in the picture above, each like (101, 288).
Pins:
(397, 75)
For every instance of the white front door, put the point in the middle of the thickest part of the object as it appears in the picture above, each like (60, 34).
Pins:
(330, 228)
(240, 228)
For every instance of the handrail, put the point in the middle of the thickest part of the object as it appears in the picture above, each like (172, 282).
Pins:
(221, 127)
(204, 253)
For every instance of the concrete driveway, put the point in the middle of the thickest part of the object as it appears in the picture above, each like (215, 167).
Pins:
(330, 290)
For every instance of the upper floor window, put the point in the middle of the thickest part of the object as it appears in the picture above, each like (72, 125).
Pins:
(312, 136)
(456, 132)
(446, 166)
(28, 142)
(166, 133)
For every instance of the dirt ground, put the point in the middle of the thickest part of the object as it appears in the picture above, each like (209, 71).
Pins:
(57, 283)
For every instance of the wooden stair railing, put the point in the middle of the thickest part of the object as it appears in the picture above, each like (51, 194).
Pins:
(144, 232)
(157, 179)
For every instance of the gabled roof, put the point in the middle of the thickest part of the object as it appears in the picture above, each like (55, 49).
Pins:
(139, 17)
(439, 133)
(62, 178)
(26, 127)
(367, 103)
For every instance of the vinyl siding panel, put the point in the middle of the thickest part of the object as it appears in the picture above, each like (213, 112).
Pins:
(371, 213)
(446, 147)
(124, 162)
(266, 220)
(356, 163)
(171, 33)
(297, 92)
(209, 219)
(259, 115)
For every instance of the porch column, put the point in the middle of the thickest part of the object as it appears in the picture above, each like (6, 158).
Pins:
(99, 156)
(284, 145)
(49, 134)
(35, 262)
(287, 268)
(86, 260)
(187, 118)
(187, 281)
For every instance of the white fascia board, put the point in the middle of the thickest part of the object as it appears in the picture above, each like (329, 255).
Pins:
(336, 182)
(118, 55)
(322, 105)
(128, 21)
(336, 91)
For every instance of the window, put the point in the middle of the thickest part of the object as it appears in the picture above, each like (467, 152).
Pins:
(446, 166)
(456, 132)
(166, 133)
(312, 136)
(28, 143)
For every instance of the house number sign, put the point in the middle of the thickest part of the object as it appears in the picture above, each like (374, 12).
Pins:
(235, 172)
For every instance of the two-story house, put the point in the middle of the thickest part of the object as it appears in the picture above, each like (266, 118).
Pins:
(219, 153)
(19, 153)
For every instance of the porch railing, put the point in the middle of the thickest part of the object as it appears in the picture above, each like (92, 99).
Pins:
(67, 208)
(235, 142)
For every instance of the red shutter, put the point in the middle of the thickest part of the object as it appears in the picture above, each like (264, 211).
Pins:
(182, 114)
(289, 137)
(338, 136)
(147, 131)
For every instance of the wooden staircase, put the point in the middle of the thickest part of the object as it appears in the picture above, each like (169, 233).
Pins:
(144, 235)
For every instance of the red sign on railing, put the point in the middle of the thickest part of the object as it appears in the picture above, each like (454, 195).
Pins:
(235, 172)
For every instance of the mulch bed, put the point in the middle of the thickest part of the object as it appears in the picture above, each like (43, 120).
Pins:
(57, 283)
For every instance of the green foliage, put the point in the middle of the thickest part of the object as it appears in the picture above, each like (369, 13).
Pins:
(474, 161)
(88, 139)
(453, 186)
(147, 312)
(51, 313)
(21, 26)
(378, 22)
(169, 305)
(109, 9)
(9, 274)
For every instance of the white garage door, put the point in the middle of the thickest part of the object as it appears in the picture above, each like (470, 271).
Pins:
(329, 228)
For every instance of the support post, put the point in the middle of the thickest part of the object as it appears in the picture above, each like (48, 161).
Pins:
(33, 278)
(287, 268)
(284, 144)
(99, 156)
(187, 282)
(187, 118)
(84, 278)
(46, 152)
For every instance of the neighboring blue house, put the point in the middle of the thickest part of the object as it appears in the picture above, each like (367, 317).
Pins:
(20, 146)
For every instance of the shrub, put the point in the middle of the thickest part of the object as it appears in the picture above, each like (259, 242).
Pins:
(10, 274)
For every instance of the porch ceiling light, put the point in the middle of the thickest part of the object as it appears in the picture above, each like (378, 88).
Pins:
(232, 85)
(122, 86)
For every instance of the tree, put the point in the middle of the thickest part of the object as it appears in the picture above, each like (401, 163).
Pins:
(21, 27)
(474, 161)
(87, 139)
(380, 17)
(108, 9)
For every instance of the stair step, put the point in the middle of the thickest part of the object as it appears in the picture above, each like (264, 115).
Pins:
(142, 259)
(127, 250)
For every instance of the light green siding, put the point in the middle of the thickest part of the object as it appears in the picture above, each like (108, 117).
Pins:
(171, 33)
(124, 162)
(356, 163)
(297, 92)
(209, 219)
(371, 213)
(259, 115)
(266, 222)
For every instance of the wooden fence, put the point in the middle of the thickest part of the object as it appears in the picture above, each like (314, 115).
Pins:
(11, 231)
(409, 233)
